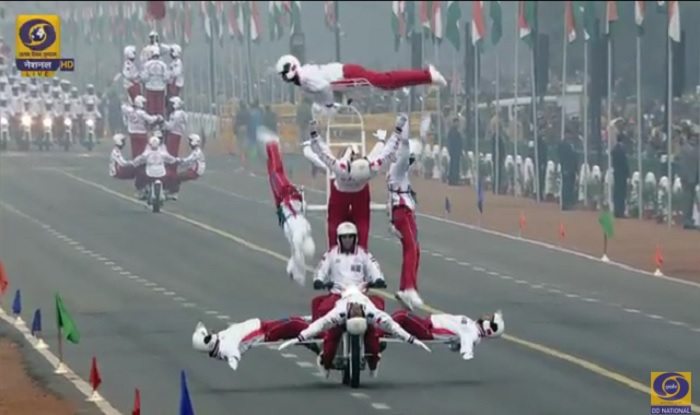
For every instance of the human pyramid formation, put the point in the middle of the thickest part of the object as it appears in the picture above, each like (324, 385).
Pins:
(347, 269)
(147, 90)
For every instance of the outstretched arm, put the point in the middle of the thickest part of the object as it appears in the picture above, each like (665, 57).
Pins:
(340, 168)
(388, 153)
(386, 323)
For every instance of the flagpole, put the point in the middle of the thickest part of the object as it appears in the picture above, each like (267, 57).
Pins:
(563, 107)
(515, 109)
(640, 186)
(454, 81)
(669, 126)
(336, 6)
(608, 129)
(212, 68)
(535, 127)
(477, 154)
(497, 143)
(585, 123)
(438, 112)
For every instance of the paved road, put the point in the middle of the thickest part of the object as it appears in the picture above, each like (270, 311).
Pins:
(138, 282)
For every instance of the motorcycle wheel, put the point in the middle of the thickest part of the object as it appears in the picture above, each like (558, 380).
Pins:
(155, 202)
(66, 144)
(89, 144)
(355, 357)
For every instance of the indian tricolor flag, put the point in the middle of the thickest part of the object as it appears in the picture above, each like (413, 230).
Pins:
(478, 25)
(436, 22)
(639, 16)
(526, 20)
(570, 23)
(674, 21)
(610, 16)
(398, 22)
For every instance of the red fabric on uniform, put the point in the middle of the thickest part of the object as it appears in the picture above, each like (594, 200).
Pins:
(155, 102)
(172, 144)
(173, 91)
(282, 188)
(353, 207)
(173, 182)
(134, 90)
(404, 220)
(138, 144)
(125, 172)
(388, 80)
(284, 329)
(416, 326)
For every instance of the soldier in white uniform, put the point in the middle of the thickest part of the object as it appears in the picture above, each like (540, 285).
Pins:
(318, 80)
(176, 80)
(119, 168)
(176, 126)
(154, 75)
(194, 165)
(154, 157)
(130, 73)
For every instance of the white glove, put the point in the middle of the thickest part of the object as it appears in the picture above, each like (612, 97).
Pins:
(289, 343)
(412, 340)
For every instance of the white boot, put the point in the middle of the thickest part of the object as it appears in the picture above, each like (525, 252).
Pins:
(436, 77)
(409, 299)
(322, 370)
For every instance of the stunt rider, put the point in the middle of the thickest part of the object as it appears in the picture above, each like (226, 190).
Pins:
(357, 314)
(130, 73)
(350, 193)
(176, 79)
(461, 332)
(155, 157)
(154, 75)
(194, 165)
(290, 208)
(176, 127)
(119, 168)
(318, 80)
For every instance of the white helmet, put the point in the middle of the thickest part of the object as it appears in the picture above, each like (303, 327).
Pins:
(176, 101)
(356, 326)
(287, 66)
(154, 142)
(202, 339)
(119, 140)
(155, 52)
(140, 101)
(130, 52)
(153, 36)
(346, 229)
(493, 326)
(360, 170)
(195, 140)
(175, 51)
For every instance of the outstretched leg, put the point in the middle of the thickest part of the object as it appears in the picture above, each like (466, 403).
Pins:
(284, 329)
(361, 215)
(391, 79)
(416, 326)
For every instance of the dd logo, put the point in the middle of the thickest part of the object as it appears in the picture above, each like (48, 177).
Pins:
(67, 65)
(655, 410)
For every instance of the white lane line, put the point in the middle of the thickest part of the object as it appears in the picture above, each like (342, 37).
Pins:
(73, 243)
(179, 299)
(677, 323)
(305, 364)
(132, 277)
(289, 355)
(100, 258)
(632, 310)
(125, 273)
(554, 291)
(169, 293)
(380, 406)
(449, 259)
(494, 273)
(142, 280)
(158, 289)
(223, 317)
(359, 395)
(150, 284)
(572, 295)
(654, 316)
(189, 305)
(695, 329)
(211, 312)
(436, 254)
(478, 269)
(464, 263)
(110, 263)
(590, 300)
(537, 286)
(506, 277)
(521, 282)
(80, 248)
(117, 268)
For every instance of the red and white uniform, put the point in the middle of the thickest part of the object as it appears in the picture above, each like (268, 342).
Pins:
(119, 168)
(456, 329)
(154, 76)
(176, 79)
(194, 165)
(130, 74)
(155, 161)
(318, 80)
(350, 198)
(176, 125)
(137, 124)
(333, 322)
(403, 218)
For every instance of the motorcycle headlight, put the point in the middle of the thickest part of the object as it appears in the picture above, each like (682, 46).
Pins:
(3, 121)
(68, 122)
(48, 122)
(26, 120)
(90, 123)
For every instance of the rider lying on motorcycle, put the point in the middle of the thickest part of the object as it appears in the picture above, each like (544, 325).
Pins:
(459, 331)
(354, 312)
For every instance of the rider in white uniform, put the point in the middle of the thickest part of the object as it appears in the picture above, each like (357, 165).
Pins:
(155, 157)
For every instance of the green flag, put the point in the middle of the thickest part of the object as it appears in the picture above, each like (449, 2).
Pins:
(527, 21)
(65, 322)
(606, 223)
(454, 15)
(496, 18)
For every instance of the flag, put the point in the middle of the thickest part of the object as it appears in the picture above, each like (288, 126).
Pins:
(296, 17)
(606, 223)
(36, 322)
(185, 402)
(570, 22)
(398, 22)
(527, 20)
(3, 279)
(610, 16)
(186, 23)
(240, 25)
(480, 197)
(586, 14)
(219, 13)
(329, 13)
(17, 303)
(674, 21)
(478, 25)
(274, 14)
(156, 9)
(425, 16)
(448, 206)
(660, 6)
(254, 21)
(233, 21)
(639, 16)
(410, 8)
(207, 13)
(454, 15)
(65, 321)
(496, 15)
(95, 378)
(137, 402)
(436, 22)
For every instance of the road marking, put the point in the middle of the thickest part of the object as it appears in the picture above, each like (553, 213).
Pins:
(537, 287)
(223, 317)
(359, 395)
(436, 254)
(506, 277)
(125, 273)
(478, 269)
(109, 263)
(81, 385)
(117, 268)
(654, 316)
(158, 289)
(169, 293)
(590, 366)
(289, 355)
(211, 312)
(188, 305)
(380, 406)
(590, 300)
(449, 259)
(632, 310)
(132, 277)
(179, 299)
(521, 282)
(464, 263)
(696, 329)
(571, 295)
(150, 284)
(305, 364)
(74, 243)
(677, 323)
(554, 291)
(494, 273)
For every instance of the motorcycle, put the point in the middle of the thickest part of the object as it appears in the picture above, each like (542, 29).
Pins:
(90, 133)
(155, 197)
(26, 138)
(4, 132)
(67, 132)
(46, 140)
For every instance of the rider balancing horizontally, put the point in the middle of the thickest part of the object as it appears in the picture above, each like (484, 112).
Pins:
(290, 208)
(349, 198)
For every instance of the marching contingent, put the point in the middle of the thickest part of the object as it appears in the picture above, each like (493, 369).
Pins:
(348, 327)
